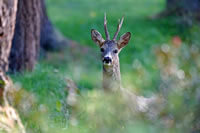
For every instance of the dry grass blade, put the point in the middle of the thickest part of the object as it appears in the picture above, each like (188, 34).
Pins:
(72, 100)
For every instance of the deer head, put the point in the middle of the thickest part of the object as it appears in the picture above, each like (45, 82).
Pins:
(110, 49)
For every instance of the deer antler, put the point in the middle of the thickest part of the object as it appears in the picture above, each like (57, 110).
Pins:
(118, 28)
(105, 28)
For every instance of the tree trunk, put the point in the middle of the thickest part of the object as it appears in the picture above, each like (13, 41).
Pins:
(51, 39)
(190, 9)
(185, 6)
(33, 31)
(26, 41)
(8, 9)
(171, 4)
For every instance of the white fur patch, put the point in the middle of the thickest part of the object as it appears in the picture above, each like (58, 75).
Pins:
(108, 55)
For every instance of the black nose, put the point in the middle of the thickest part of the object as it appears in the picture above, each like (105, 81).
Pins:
(107, 60)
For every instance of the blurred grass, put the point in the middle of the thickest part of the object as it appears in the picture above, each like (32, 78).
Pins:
(75, 19)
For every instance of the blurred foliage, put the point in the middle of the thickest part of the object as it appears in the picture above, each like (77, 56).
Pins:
(161, 59)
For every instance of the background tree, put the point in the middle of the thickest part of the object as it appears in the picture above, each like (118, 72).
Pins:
(186, 8)
(27, 36)
(50, 38)
(33, 29)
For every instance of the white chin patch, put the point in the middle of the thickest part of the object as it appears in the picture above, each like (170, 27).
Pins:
(107, 64)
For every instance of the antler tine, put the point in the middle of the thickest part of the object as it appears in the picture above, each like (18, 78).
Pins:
(118, 28)
(105, 28)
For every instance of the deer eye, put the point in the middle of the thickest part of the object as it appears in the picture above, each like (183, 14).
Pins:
(115, 51)
(102, 50)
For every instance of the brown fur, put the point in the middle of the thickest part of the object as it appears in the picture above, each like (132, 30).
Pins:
(111, 48)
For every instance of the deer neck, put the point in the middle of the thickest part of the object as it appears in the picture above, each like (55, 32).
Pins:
(111, 76)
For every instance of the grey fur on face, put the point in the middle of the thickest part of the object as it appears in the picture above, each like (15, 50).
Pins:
(109, 51)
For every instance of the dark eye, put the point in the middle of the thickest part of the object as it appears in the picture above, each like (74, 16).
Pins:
(115, 51)
(102, 50)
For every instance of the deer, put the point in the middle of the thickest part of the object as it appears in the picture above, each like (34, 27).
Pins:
(110, 49)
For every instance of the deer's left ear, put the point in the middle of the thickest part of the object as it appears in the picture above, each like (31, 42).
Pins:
(124, 39)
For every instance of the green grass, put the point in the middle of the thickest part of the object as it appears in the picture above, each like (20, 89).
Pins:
(75, 19)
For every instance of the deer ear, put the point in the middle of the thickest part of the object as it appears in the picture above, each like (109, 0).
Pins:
(96, 37)
(124, 39)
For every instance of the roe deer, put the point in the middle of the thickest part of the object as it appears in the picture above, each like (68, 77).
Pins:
(110, 50)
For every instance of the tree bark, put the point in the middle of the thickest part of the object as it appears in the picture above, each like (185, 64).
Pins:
(8, 9)
(33, 31)
(26, 41)
(51, 39)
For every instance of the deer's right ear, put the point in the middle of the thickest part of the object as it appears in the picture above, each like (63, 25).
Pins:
(96, 37)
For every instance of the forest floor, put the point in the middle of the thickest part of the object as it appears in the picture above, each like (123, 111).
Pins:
(139, 67)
